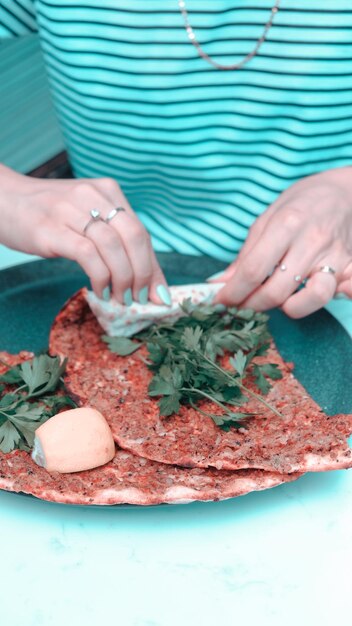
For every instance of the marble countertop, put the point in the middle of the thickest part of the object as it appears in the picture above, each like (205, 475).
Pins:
(270, 558)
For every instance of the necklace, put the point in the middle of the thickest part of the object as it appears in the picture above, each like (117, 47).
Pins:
(206, 57)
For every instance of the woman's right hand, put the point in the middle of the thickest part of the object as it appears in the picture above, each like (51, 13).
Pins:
(48, 218)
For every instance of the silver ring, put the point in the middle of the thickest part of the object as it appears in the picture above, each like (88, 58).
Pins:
(326, 269)
(302, 281)
(112, 214)
(94, 217)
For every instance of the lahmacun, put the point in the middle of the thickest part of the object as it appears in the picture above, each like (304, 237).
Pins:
(178, 459)
(129, 479)
(303, 439)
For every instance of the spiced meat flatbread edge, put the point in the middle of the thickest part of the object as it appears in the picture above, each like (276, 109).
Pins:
(129, 479)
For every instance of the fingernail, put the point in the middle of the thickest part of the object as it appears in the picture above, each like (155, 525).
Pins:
(215, 276)
(143, 295)
(127, 297)
(106, 294)
(341, 296)
(164, 294)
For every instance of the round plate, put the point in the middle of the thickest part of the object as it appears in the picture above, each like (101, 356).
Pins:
(32, 294)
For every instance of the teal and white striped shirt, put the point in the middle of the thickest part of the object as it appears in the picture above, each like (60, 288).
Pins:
(199, 152)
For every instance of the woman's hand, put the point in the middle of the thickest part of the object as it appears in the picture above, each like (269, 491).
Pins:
(48, 218)
(309, 227)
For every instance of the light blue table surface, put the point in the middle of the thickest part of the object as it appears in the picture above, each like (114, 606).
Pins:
(276, 558)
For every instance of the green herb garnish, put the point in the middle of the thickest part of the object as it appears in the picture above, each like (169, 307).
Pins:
(183, 356)
(28, 405)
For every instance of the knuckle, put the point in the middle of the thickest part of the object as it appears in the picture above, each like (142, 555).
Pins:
(290, 310)
(124, 278)
(110, 185)
(138, 235)
(110, 239)
(85, 249)
(250, 272)
(322, 292)
(292, 219)
(317, 235)
(144, 276)
(84, 188)
(272, 300)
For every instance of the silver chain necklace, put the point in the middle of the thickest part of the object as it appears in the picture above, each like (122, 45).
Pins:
(206, 57)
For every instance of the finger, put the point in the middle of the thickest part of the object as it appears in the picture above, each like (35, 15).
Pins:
(68, 244)
(136, 242)
(294, 268)
(347, 272)
(149, 279)
(105, 239)
(344, 289)
(253, 268)
(123, 242)
(111, 249)
(254, 234)
(256, 230)
(159, 290)
(317, 293)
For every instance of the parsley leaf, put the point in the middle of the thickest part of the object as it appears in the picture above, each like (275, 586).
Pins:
(121, 345)
(239, 362)
(20, 416)
(170, 404)
(183, 356)
(9, 437)
(41, 374)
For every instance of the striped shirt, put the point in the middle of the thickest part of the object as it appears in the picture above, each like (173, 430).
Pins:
(199, 152)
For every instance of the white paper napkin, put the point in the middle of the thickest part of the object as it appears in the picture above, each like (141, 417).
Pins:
(119, 320)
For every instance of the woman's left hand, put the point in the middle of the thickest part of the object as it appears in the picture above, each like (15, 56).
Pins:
(308, 228)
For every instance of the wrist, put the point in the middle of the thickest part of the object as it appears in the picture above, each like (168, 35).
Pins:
(9, 179)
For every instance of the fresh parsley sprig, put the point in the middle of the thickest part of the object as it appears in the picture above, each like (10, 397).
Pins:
(183, 356)
(27, 399)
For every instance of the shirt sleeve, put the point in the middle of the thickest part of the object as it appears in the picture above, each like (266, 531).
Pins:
(17, 17)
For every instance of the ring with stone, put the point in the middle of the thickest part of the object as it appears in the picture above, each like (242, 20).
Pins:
(94, 217)
(298, 279)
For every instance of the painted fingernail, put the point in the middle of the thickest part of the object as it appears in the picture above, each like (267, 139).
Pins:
(127, 297)
(341, 296)
(106, 294)
(164, 294)
(143, 295)
(215, 276)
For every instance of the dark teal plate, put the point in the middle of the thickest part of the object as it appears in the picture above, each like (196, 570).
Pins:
(31, 295)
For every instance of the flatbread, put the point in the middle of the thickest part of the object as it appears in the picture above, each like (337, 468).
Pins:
(304, 439)
(129, 479)
(7, 360)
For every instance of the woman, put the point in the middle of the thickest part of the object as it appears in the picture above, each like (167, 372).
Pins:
(200, 120)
